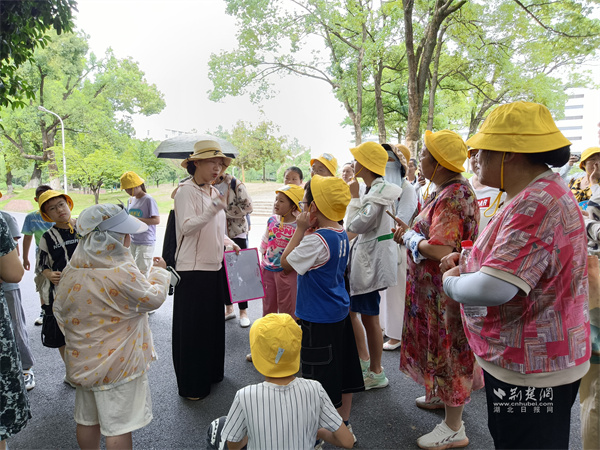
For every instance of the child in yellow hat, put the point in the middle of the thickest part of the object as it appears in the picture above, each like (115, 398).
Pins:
(374, 263)
(142, 206)
(280, 284)
(322, 303)
(283, 411)
(324, 165)
(55, 250)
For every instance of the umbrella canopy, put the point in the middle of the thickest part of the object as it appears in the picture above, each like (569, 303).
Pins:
(182, 146)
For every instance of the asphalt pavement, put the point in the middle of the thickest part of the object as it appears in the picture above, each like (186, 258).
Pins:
(381, 418)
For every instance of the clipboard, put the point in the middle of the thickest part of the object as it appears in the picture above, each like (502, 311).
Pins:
(244, 277)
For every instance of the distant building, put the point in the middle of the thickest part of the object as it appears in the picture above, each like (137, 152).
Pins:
(582, 114)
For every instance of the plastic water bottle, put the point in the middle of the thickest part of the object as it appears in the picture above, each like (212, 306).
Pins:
(466, 267)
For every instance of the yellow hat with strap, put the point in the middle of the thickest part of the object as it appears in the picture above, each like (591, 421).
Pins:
(328, 161)
(130, 180)
(519, 127)
(331, 195)
(448, 148)
(49, 195)
(293, 192)
(586, 154)
(372, 156)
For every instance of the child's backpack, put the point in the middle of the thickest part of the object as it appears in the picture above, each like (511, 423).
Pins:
(170, 242)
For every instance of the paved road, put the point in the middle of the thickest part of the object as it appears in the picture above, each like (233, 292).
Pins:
(382, 419)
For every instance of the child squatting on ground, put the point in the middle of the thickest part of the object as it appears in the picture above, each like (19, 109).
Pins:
(283, 411)
(102, 304)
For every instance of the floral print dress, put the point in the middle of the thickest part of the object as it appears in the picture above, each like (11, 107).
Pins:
(14, 405)
(435, 351)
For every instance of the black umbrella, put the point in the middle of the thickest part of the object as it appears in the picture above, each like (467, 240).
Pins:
(182, 146)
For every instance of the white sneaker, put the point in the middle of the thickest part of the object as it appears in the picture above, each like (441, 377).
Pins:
(350, 430)
(434, 403)
(40, 319)
(69, 382)
(29, 379)
(244, 322)
(443, 437)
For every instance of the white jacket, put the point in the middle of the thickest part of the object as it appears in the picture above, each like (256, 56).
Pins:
(373, 254)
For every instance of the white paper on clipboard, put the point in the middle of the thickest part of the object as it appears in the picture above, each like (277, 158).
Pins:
(244, 277)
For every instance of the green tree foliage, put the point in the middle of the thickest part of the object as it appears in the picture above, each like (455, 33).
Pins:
(332, 41)
(23, 27)
(403, 65)
(95, 98)
(91, 170)
(259, 147)
(298, 156)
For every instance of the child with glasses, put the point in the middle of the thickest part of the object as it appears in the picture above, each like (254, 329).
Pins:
(56, 248)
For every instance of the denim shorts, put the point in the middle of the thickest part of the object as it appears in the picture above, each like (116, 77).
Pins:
(367, 304)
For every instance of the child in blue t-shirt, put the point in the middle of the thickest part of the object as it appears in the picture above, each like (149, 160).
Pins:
(328, 352)
(33, 228)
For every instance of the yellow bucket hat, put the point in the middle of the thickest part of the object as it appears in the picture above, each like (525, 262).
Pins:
(293, 192)
(519, 127)
(328, 160)
(331, 195)
(586, 154)
(275, 342)
(448, 148)
(404, 150)
(205, 150)
(372, 156)
(130, 180)
(52, 194)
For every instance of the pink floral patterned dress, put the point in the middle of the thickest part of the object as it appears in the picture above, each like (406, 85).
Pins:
(435, 351)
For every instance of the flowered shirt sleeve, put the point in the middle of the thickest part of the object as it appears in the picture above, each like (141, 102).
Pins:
(455, 216)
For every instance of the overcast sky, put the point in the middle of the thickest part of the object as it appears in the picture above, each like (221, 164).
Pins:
(172, 40)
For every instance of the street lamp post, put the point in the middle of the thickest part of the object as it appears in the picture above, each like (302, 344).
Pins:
(62, 126)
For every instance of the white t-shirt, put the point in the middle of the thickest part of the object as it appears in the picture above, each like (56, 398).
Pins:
(485, 197)
(311, 253)
(280, 417)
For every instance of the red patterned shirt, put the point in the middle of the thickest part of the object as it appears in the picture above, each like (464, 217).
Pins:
(537, 242)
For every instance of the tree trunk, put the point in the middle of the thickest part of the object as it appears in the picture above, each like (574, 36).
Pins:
(355, 122)
(379, 103)
(478, 118)
(49, 156)
(433, 83)
(36, 177)
(96, 192)
(9, 178)
(243, 174)
(264, 172)
(419, 61)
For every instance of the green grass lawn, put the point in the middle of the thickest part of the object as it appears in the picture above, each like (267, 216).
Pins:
(162, 195)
